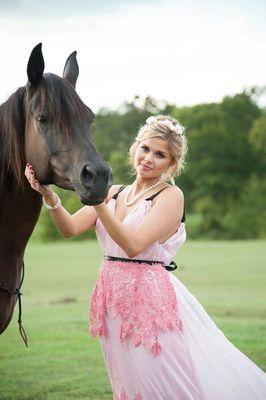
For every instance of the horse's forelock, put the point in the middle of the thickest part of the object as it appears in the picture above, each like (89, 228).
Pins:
(64, 106)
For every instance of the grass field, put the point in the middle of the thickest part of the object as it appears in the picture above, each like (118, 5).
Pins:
(64, 362)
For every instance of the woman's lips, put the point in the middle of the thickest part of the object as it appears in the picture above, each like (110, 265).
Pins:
(146, 167)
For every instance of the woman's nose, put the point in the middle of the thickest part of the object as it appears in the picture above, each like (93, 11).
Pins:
(148, 158)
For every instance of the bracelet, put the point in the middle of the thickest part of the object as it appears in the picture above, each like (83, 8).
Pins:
(56, 206)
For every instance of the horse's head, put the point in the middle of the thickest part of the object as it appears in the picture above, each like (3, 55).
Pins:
(58, 132)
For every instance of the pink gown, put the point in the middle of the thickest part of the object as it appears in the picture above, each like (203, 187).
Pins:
(158, 341)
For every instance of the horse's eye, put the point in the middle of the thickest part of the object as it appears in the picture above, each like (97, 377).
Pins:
(41, 119)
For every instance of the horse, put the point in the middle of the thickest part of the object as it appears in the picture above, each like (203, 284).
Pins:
(44, 123)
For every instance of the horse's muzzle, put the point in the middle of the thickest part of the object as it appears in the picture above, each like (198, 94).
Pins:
(90, 176)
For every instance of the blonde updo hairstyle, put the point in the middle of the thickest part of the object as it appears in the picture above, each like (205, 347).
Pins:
(167, 128)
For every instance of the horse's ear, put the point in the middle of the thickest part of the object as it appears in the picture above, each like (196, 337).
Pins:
(35, 66)
(71, 69)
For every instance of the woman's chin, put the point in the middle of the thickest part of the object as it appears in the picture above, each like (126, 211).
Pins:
(144, 174)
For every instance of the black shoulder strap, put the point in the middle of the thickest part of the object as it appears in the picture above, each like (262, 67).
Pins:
(156, 194)
(184, 215)
(117, 193)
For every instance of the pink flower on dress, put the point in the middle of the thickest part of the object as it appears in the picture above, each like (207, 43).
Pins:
(123, 395)
(156, 349)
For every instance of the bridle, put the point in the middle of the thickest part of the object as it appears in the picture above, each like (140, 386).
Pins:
(17, 292)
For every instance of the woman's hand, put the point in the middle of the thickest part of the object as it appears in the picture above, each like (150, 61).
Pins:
(48, 195)
(69, 225)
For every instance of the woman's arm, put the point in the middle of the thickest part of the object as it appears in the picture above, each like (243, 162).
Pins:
(69, 225)
(80, 222)
(163, 218)
(73, 225)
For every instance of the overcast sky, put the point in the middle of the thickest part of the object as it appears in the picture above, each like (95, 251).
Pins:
(184, 52)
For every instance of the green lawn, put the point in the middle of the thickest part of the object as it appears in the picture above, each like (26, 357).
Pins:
(64, 362)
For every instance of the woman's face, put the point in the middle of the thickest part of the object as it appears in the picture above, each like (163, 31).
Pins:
(152, 158)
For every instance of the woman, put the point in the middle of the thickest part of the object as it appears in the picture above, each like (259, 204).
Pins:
(158, 342)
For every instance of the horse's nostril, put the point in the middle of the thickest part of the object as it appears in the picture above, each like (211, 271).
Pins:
(91, 176)
(87, 176)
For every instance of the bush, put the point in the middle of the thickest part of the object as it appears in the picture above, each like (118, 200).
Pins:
(247, 217)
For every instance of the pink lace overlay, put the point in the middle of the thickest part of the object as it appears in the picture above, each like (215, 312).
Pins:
(124, 396)
(141, 296)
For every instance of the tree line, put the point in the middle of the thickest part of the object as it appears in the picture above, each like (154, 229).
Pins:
(224, 179)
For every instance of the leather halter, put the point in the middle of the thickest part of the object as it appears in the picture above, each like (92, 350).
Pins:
(17, 292)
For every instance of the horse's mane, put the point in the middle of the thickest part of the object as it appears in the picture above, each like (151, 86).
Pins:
(12, 125)
(60, 101)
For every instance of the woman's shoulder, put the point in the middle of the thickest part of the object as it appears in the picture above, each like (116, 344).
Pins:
(173, 192)
(169, 201)
(170, 198)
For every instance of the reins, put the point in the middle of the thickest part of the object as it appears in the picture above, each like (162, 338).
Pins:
(18, 293)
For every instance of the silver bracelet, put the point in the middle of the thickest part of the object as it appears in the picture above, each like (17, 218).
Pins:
(56, 206)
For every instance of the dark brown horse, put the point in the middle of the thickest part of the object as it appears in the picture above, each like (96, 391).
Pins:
(46, 124)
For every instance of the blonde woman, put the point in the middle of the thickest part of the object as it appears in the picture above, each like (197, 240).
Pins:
(158, 342)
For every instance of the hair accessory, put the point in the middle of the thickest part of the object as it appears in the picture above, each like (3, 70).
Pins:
(151, 120)
(178, 128)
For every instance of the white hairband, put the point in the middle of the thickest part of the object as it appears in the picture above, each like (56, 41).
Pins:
(178, 128)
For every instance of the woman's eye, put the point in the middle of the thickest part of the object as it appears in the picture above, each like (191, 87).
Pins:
(41, 119)
(144, 148)
(160, 155)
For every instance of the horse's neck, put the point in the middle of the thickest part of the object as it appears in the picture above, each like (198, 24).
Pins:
(19, 212)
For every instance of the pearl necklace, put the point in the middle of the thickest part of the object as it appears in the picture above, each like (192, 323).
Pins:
(135, 198)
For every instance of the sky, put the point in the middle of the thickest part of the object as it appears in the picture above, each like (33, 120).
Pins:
(182, 52)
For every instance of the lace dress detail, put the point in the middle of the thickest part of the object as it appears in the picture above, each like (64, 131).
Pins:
(142, 296)
(124, 396)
